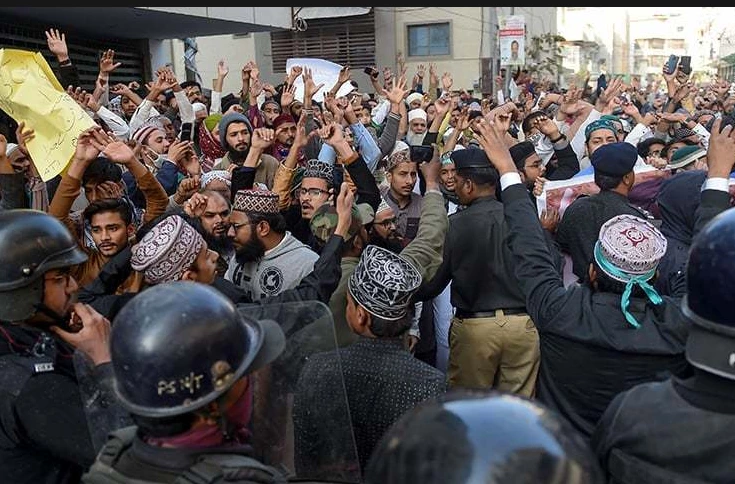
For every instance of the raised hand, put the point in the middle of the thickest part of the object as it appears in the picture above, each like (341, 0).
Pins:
(90, 143)
(23, 136)
(222, 69)
(721, 150)
(187, 188)
(344, 75)
(287, 96)
(547, 126)
(443, 104)
(332, 133)
(611, 91)
(57, 44)
(447, 82)
(92, 103)
(301, 137)
(491, 136)
(196, 205)
(296, 71)
(263, 138)
(256, 87)
(107, 62)
(117, 151)
(433, 77)
(420, 71)
(397, 92)
(246, 70)
(310, 87)
(345, 200)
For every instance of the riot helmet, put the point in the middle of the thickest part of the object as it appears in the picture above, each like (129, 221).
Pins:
(710, 297)
(482, 437)
(179, 345)
(31, 243)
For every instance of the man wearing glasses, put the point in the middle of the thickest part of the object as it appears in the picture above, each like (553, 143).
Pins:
(268, 259)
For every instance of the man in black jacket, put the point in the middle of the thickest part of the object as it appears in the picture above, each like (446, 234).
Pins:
(594, 343)
(683, 429)
(44, 432)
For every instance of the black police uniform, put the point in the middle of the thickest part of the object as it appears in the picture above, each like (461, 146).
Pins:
(486, 296)
(44, 433)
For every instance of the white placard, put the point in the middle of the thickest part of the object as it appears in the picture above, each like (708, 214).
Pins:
(323, 72)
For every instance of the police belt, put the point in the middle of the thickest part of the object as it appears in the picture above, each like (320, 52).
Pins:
(462, 314)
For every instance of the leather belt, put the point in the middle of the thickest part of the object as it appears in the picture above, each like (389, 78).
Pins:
(488, 314)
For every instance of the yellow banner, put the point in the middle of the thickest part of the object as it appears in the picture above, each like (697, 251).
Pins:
(30, 92)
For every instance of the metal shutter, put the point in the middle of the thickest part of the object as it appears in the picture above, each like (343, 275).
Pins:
(84, 51)
(348, 41)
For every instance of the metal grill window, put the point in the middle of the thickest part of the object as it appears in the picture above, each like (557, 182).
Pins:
(348, 41)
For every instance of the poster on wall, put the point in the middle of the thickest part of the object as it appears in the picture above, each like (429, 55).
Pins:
(512, 40)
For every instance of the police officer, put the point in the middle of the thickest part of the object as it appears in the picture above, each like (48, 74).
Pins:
(181, 355)
(44, 436)
(492, 342)
(604, 337)
(482, 436)
(683, 429)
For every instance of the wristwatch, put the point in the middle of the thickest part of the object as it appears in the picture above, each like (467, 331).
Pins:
(561, 137)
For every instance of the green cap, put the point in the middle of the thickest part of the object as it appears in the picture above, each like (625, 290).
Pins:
(324, 221)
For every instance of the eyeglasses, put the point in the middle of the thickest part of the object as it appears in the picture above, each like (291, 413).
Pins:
(312, 192)
(387, 223)
(237, 226)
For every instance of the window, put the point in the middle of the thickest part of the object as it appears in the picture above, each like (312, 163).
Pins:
(349, 41)
(426, 40)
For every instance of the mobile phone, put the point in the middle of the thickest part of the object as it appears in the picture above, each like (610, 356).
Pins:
(686, 64)
(421, 153)
(671, 63)
(371, 71)
(187, 132)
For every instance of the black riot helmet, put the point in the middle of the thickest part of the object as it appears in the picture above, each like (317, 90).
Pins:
(710, 299)
(31, 243)
(483, 437)
(179, 345)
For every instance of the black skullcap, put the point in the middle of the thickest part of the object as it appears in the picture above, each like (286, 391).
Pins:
(520, 152)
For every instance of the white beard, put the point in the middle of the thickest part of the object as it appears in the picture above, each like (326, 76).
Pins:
(413, 139)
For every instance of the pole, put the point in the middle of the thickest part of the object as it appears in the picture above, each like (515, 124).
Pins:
(488, 49)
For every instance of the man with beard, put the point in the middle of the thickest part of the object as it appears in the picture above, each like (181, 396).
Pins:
(384, 231)
(109, 221)
(417, 125)
(401, 176)
(284, 127)
(210, 212)
(236, 137)
(44, 434)
(170, 249)
(268, 259)
(318, 179)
